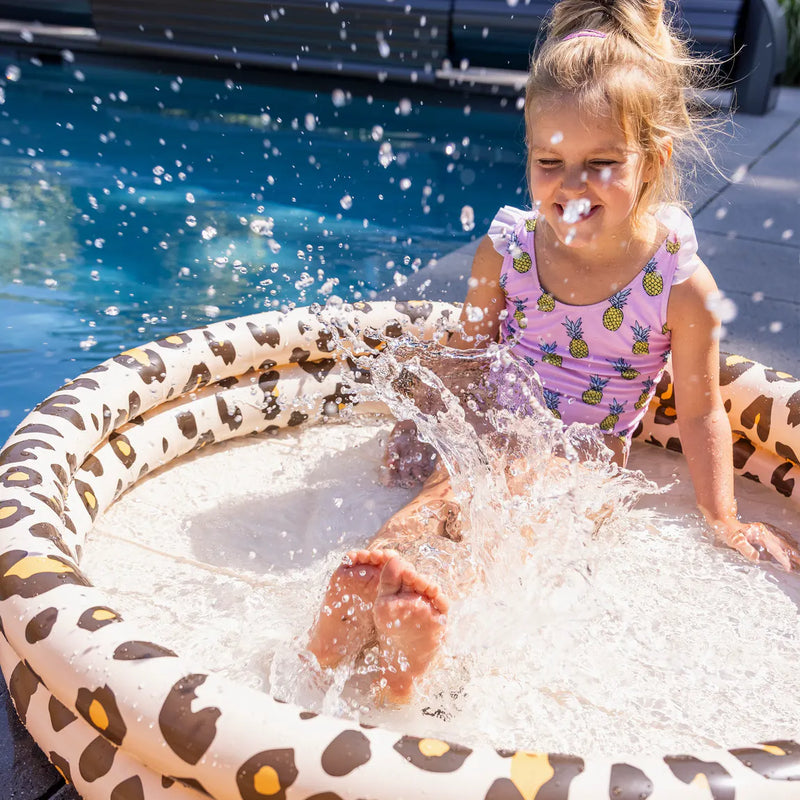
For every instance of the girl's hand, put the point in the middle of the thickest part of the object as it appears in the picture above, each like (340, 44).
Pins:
(751, 538)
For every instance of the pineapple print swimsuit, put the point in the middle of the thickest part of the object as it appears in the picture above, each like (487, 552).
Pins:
(600, 363)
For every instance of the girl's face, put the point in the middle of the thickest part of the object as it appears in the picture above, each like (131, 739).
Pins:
(575, 156)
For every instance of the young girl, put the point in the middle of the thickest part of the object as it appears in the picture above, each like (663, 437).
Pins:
(595, 287)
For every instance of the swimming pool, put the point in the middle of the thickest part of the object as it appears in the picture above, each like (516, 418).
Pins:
(137, 204)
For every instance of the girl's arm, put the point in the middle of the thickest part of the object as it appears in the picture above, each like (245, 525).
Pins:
(480, 317)
(705, 431)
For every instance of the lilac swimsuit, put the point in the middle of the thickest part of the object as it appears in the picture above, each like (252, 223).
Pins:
(598, 363)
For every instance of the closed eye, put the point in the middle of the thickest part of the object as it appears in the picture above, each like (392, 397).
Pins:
(548, 163)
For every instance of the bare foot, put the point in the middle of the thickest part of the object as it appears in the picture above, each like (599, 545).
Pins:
(345, 623)
(408, 461)
(409, 619)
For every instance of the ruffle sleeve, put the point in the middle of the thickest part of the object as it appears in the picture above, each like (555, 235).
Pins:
(680, 224)
(509, 228)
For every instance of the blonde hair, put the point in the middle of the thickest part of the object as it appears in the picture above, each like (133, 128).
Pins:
(641, 71)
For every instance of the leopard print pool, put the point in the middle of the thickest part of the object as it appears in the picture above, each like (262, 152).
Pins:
(126, 718)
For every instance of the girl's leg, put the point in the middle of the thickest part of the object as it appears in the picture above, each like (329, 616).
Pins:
(379, 593)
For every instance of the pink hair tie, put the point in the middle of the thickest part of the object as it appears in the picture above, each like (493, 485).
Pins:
(585, 32)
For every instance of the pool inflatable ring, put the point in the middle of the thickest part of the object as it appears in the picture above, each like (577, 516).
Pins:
(126, 718)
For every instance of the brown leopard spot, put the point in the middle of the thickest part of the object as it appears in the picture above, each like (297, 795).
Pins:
(349, 750)
(22, 685)
(199, 376)
(706, 774)
(775, 376)
(308, 715)
(187, 424)
(27, 575)
(11, 512)
(129, 789)
(61, 764)
(324, 796)
(786, 452)
(188, 733)
(137, 651)
(97, 617)
(759, 414)
(777, 760)
(296, 418)
(317, 369)
(60, 715)
(94, 465)
(60, 405)
(96, 759)
(87, 496)
(782, 484)
(22, 477)
(145, 361)
(432, 755)
(267, 774)
(629, 783)
(415, 310)
(40, 626)
(264, 334)
(732, 367)
(122, 449)
(231, 418)
(223, 349)
(99, 708)
(176, 341)
(742, 450)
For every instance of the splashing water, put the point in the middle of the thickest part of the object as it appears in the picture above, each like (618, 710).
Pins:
(567, 635)
(575, 209)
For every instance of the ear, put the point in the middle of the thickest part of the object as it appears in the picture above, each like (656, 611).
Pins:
(659, 161)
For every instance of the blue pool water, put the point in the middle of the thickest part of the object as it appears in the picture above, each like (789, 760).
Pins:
(135, 204)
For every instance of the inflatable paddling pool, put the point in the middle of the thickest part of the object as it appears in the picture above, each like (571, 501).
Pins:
(126, 718)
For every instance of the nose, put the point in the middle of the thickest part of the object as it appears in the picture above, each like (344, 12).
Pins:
(574, 179)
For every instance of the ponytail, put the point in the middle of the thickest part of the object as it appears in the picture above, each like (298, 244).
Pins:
(626, 57)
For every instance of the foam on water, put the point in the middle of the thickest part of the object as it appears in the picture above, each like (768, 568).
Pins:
(643, 636)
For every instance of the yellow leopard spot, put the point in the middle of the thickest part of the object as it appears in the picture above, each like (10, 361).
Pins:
(701, 781)
(103, 613)
(7, 511)
(783, 374)
(774, 749)
(733, 360)
(174, 339)
(18, 476)
(123, 447)
(90, 499)
(266, 781)
(37, 565)
(137, 354)
(667, 393)
(98, 716)
(670, 412)
(529, 772)
(433, 748)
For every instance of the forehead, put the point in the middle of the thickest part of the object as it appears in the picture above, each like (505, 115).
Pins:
(564, 122)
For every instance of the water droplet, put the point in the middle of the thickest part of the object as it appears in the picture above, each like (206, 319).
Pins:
(776, 326)
(724, 308)
(467, 218)
(338, 97)
(346, 202)
(111, 311)
(405, 184)
(209, 232)
(557, 137)
(13, 73)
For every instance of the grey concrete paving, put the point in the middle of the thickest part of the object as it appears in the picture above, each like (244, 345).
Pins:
(749, 234)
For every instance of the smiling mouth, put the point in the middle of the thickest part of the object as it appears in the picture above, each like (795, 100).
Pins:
(576, 210)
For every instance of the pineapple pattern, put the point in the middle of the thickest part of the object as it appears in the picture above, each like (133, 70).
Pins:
(594, 394)
(600, 362)
(641, 339)
(613, 315)
(546, 302)
(552, 400)
(577, 346)
(645, 395)
(550, 356)
(608, 422)
(625, 369)
(652, 281)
